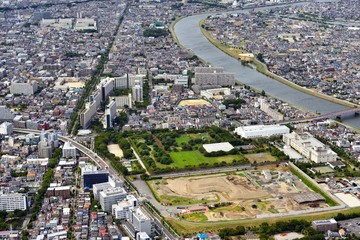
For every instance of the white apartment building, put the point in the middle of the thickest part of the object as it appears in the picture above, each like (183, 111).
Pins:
(258, 131)
(123, 209)
(12, 201)
(111, 196)
(6, 128)
(310, 147)
(37, 161)
(68, 150)
(273, 113)
(26, 88)
(121, 101)
(137, 93)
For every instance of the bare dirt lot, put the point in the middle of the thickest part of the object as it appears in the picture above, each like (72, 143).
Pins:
(246, 193)
(116, 150)
(230, 188)
(194, 102)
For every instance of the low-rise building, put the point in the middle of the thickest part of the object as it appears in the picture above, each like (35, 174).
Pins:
(258, 131)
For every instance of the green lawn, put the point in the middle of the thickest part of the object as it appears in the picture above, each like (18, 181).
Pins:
(181, 159)
(182, 139)
(195, 217)
(185, 138)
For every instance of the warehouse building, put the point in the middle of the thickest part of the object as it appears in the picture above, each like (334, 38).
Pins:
(259, 131)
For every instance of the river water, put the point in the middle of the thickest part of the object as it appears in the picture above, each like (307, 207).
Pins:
(190, 36)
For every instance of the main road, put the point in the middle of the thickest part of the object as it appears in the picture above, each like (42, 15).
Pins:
(196, 42)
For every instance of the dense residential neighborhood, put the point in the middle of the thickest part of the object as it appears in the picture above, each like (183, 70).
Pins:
(112, 126)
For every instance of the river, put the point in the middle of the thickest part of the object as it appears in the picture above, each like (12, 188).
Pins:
(195, 41)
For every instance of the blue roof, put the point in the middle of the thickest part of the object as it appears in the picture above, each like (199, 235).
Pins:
(202, 236)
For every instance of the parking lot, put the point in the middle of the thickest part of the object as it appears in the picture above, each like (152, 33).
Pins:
(351, 226)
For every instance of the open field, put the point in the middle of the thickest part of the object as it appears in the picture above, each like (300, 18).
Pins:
(183, 158)
(185, 138)
(324, 169)
(194, 102)
(116, 150)
(260, 157)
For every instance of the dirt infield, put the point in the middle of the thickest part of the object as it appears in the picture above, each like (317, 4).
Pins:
(116, 150)
(194, 102)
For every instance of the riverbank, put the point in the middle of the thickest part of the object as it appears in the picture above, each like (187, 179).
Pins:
(172, 31)
(262, 68)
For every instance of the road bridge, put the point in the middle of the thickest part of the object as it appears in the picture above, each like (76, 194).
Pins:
(348, 113)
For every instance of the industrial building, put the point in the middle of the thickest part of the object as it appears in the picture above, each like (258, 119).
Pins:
(215, 147)
(310, 147)
(325, 225)
(259, 131)
(309, 197)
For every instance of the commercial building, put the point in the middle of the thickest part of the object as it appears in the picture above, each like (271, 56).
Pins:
(13, 201)
(325, 225)
(26, 88)
(111, 196)
(68, 150)
(310, 147)
(258, 131)
(94, 177)
(123, 209)
(142, 222)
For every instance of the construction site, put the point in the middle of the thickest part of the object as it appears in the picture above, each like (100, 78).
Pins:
(238, 195)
